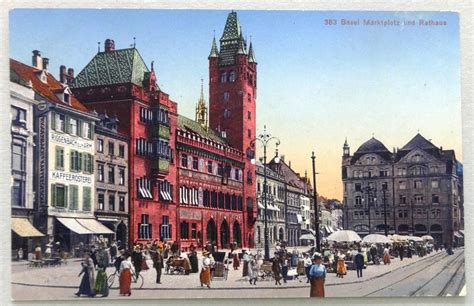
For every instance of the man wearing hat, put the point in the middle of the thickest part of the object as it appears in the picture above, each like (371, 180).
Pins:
(317, 274)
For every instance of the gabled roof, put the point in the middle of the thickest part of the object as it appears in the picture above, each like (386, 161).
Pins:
(185, 123)
(289, 176)
(112, 67)
(25, 73)
(419, 142)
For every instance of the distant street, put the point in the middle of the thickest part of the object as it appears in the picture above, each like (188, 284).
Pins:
(434, 275)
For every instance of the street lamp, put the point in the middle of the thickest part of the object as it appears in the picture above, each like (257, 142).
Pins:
(384, 189)
(265, 139)
(316, 214)
(371, 197)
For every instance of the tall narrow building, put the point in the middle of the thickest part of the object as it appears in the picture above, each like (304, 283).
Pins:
(232, 103)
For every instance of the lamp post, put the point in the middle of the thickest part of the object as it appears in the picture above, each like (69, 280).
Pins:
(384, 189)
(370, 198)
(265, 139)
(315, 198)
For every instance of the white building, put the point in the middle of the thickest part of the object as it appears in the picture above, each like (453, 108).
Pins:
(22, 106)
(64, 179)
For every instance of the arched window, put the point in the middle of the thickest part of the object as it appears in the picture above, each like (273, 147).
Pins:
(224, 77)
(232, 76)
(226, 96)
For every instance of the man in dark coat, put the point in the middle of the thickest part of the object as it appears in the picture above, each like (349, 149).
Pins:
(137, 259)
(359, 263)
(157, 264)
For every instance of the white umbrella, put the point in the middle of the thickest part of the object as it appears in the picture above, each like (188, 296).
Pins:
(427, 237)
(344, 236)
(396, 237)
(415, 238)
(376, 238)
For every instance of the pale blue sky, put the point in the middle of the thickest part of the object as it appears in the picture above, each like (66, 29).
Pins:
(316, 83)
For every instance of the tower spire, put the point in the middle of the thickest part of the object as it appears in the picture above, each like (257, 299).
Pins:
(201, 108)
(214, 52)
(251, 53)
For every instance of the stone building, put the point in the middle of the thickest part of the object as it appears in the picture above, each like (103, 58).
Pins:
(111, 177)
(413, 190)
(297, 194)
(275, 207)
(22, 105)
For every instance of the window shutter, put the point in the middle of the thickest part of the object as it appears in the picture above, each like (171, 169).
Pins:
(53, 195)
(65, 196)
(79, 128)
(53, 121)
(71, 167)
(170, 232)
(57, 157)
(91, 130)
(66, 124)
(80, 162)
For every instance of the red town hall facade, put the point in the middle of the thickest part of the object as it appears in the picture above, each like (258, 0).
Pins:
(188, 180)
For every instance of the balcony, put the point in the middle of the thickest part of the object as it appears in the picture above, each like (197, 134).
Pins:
(160, 166)
(161, 131)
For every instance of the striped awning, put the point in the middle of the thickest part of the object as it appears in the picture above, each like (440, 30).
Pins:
(74, 225)
(23, 228)
(95, 226)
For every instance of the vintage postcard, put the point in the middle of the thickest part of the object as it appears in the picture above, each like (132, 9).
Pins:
(235, 154)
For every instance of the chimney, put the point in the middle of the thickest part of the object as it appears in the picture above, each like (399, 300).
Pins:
(70, 72)
(62, 74)
(37, 62)
(289, 164)
(45, 63)
(109, 45)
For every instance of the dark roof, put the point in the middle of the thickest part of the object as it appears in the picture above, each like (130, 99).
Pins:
(113, 67)
(190, 125)
(419, 142)
(372, 146)
(24, 74)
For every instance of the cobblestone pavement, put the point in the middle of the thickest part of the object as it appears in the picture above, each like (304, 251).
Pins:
(435, 274)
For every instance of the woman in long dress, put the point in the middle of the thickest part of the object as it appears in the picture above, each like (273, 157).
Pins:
(235, 260)
(276, 268)
(252, 271)
(317, 275)
(87, 282)
(205, 275)
(341, 266)
(386, 255)
(126, 270)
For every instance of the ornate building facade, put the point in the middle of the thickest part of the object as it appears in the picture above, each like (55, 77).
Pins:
(413, 190)
(275, 195)
(119, 82)
(111, 177)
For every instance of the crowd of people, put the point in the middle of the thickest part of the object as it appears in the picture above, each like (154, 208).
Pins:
(310, 266)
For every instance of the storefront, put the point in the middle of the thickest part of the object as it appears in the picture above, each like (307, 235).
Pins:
(24, 237)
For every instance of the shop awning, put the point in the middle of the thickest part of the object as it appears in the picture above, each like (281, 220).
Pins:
(95, 226)
(260, 205)
(24, 228)
(75, 226)
(461, 232)
(458, 235)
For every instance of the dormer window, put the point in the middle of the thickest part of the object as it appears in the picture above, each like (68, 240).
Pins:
(67, 98)
(42, 76)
